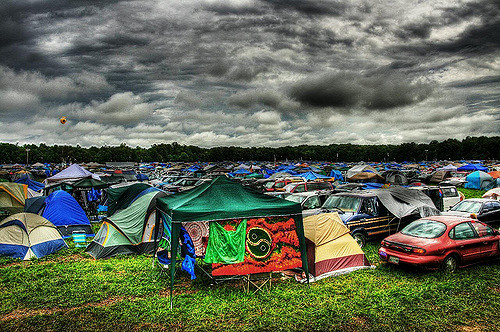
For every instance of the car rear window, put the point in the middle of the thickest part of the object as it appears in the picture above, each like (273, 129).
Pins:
(428, 229)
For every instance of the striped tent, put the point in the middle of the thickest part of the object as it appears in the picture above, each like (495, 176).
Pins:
(331, 250)
(27, 235)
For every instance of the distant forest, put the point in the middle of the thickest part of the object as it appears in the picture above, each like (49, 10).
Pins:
(451, 149)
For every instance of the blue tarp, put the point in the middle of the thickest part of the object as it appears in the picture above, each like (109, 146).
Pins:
(309, 176)
(337, 175)
(142, 177)
(473, 167)
(32, 184)
(62, 209)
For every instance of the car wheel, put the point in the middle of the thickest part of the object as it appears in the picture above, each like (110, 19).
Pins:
(360, 239)
(450, 264)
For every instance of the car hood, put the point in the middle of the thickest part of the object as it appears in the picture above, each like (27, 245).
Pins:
(412, 240)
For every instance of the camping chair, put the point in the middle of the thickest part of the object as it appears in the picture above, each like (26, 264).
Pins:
(259, 282)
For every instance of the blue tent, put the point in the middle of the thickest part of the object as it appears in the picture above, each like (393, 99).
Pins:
(66, 214)
(32, 184)
(473, 167)
(479, 180)
(27, 235)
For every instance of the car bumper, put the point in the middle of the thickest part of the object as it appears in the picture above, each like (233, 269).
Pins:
(399, 258)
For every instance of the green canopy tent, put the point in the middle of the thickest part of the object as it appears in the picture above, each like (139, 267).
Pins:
(223, 199)
(90, 183)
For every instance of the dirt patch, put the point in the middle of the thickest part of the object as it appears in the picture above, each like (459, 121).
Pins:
(25, 313)
(61, 259)
(494, 289)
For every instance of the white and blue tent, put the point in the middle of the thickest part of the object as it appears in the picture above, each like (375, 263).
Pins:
(27, 235)
(66, 214)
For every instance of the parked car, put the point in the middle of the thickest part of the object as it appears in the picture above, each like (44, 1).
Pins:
(300, 187)
(311, 202)
(364, 215)
(483, 209)
(279, 185)
(444, 242)
(443, 197)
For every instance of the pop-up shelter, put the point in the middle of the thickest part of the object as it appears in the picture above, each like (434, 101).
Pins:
(331, 250)
(272, 228)
(27, 235)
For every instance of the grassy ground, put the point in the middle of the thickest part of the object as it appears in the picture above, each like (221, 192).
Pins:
(70, 291)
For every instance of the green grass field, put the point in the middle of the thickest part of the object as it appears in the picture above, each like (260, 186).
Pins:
(70, 291)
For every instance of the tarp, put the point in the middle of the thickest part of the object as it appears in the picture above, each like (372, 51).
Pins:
(311, 176)
(66, 214)
(72, 173)
(473, 167)
(32, 184)
(402, 202)
(331, 250)
(27, 235)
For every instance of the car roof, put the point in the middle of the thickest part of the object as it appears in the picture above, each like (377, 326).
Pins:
(449, 220)
(481, 200)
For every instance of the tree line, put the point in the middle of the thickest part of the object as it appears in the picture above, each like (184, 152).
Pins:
(451, 149)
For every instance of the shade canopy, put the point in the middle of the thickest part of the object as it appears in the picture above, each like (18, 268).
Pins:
(223, 199)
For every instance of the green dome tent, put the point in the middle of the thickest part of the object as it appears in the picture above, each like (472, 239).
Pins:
(128, 231)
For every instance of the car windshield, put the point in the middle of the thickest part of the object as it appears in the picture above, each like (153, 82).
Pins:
(296, 199)
(346, 203)
(269, 184)
(280, 184)
(467, 206)
(428, 229)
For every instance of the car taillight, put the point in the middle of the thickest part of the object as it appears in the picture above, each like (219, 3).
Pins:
(418, 251)
(384, 243)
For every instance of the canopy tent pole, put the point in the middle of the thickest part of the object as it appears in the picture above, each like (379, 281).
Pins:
(157, 227)
(176, 227)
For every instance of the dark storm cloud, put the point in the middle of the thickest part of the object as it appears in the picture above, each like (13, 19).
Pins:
(346, 91)
(310, 7)
(415, 30)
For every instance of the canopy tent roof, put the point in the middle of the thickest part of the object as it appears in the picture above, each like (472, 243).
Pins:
(90, 183)
(224, 199)
(360, 168)
(72, 173)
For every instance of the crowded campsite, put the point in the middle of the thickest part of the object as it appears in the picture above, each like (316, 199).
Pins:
(178, 233)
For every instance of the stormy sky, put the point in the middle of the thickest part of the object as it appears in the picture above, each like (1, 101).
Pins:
(248, 72)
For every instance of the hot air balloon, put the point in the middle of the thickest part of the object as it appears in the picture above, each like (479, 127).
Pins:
(63, 120)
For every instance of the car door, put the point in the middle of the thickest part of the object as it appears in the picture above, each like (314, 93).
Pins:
(467, 242)
(450, 197)
(489, 239)
(490, 213)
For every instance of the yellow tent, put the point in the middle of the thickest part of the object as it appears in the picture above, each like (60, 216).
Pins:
(12, 197)
(331, 250)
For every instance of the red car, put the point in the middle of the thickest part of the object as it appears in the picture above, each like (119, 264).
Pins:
(441, 242)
